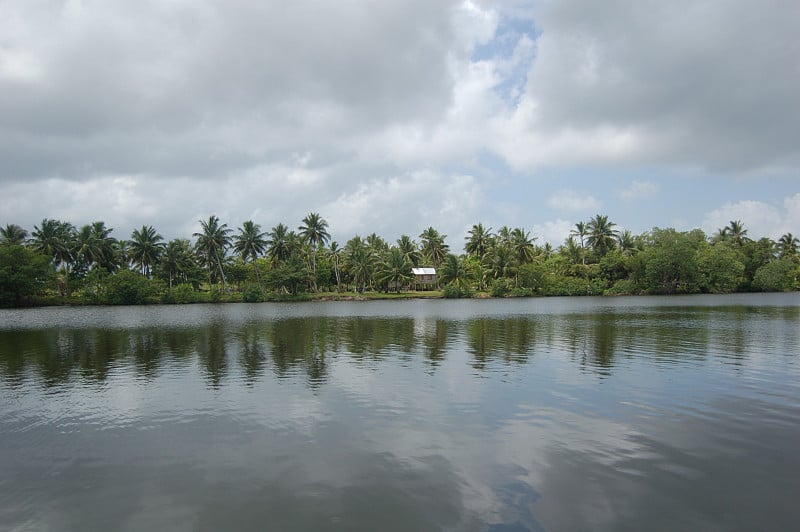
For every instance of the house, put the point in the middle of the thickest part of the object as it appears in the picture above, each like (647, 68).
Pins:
(424, 278)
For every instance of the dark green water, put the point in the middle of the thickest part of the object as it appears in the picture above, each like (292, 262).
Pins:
(535, 414)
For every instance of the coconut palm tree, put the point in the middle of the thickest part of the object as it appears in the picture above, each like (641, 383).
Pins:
(581, 230)
(278, 246)
(602, 236)
(433, 246)
(95, 247)
(56, 239)
(627, 242)
(145, 248)
(336, 259)
(250, 243)
(314, 231)
(788, 246)
(572, 249)
(454, 271)
(479, 241)
(522, 246)
(737, 233)
(176, 259)
(395, 270)
(359, 260)
(213, 241)
(409, 249)
(13, 235)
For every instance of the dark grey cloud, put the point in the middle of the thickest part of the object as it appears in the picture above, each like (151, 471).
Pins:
(196, 88)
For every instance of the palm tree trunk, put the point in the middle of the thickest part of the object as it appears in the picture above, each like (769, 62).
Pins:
(221, 272)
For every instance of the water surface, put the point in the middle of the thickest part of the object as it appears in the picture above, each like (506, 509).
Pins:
(529, 414)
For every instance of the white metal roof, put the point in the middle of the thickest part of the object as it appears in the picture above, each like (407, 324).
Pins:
(423, 271)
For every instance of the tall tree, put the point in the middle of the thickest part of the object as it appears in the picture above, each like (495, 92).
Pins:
(395, 269)
(454, 270)
(581, 230)
(788, 245)
(56, 240)
(250, 243)
(737, 233)
(278, 245)
(213, 241)
(479, 241)
(95, 247)
(522, 246)
(176, 260)
(314, 231)
(409, 249)
(145, 248)
(433, 246)
(602, 236)
(336, 260)
(13, 235)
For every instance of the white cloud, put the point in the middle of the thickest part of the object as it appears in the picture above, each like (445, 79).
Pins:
(639, 189)
(758, 217)
(553, 231)
(573, 201)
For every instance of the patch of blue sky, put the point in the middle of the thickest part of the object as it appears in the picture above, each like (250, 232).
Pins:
(502, 49)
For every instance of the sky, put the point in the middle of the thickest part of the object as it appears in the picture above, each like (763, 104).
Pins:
(393, 116)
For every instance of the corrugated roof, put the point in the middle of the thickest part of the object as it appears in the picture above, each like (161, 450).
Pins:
(423, 271)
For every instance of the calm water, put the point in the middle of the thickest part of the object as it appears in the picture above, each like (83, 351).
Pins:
(535, 414)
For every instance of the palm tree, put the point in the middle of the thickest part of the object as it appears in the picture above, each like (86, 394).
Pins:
(314, 231)
(146, 247)
(360, 261)
(581, 230)
(737, 233)
(213, 242)
(454, 271)
(249, 244)
(522, 245)
(336, 257)
(95, 247)
(500, 263)
(278, 247)
(601, 234)
(572, 249)
(433, 246)
(409, 249)
(177, 259)
(56, 239)
(479, 241)
(788, 245)
(13, 235)
(395, 270)
(627, 242)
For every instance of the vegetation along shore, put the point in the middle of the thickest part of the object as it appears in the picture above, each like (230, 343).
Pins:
(59, 263)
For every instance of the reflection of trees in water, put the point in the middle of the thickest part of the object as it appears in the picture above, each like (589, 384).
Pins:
(507, 339)
(304, 346)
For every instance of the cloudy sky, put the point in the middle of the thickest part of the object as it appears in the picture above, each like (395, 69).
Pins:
(395, 115)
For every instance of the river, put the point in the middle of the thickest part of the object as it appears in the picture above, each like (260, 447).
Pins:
(630, 413)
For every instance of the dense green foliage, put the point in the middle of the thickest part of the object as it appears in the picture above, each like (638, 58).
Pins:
(60, 263)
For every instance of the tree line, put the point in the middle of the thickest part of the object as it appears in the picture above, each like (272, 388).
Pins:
(59, 262)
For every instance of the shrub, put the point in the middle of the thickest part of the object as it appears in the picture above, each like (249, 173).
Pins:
(498, 288)
(623, 287)
(520, 292)
(215, 295)
(775, 276)
(452, 291)
(252, 293)
(127, 288)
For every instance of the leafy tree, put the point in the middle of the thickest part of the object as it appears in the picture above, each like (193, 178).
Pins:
(720, 266)
(128, 288)
(670, 264)
(146, 247)
(56, 240)
(12, 235)
(250, 243)
(775, 276)
(23, 273)
(212, 243)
